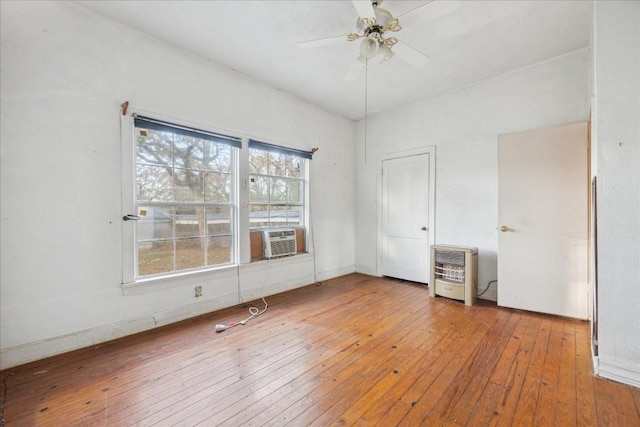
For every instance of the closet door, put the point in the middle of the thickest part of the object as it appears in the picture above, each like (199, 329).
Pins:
(405, 218)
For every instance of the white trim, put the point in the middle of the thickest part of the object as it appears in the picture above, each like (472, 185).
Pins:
(366, 270)
(131, 285)
(431, 151)
(617, 371)
(271, 270)
(242, 198)
(129, 256)
(37, 350)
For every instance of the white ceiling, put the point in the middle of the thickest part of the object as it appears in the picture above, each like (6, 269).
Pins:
(479, 40)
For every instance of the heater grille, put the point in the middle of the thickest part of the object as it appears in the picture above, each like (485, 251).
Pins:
(454, 272)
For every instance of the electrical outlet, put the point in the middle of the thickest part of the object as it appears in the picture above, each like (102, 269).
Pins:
(198, 291)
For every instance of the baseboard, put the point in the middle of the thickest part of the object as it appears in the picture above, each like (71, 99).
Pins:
(336, 272)
(29, 352)
(616, 371)
(491, 294)
(366, 270)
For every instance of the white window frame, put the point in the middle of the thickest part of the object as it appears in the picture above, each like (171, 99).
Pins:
(240, 211)
(303, 180)
(129, 252)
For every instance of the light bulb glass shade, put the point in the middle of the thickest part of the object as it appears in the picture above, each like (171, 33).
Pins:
(385, 53)
(369, 47)
(382, 16)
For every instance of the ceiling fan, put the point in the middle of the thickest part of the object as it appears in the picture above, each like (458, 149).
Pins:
(374, 26)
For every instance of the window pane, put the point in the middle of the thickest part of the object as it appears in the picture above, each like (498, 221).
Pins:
(278, 215)
(188, 185)
(277, 199)
(258, 161)
(278, 190)
(293, 167)
(259, 189)
(219, 250)
(259, 216)
(217, 187)
(153, 183)
(189, 253)
(154, 148)
(155, 257)
(190, 221)
(188, 152)
(294, 216)
(286, 190)
(278, 164)
(217, 157)
(155, 223)
(294, 190)
(218, 221)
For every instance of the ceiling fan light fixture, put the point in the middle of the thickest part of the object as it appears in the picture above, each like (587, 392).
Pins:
(369, 47)
(385, 53)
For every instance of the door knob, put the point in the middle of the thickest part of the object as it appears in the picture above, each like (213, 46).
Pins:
(504, 228)
(424, 229)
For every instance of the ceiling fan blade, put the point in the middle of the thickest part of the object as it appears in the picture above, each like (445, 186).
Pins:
(355, 69)
(410, 55)
(322, 42)
(433, 9)
(364, 9)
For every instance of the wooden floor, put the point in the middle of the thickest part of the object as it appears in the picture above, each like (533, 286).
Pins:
(355, 350)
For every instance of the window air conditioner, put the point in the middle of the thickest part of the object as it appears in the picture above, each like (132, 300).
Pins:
(279, 243)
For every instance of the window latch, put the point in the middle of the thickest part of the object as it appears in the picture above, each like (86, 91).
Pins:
(130, 217)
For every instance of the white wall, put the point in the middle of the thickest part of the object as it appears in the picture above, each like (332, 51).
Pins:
(65, 73)
(464, 126)
(617, 168)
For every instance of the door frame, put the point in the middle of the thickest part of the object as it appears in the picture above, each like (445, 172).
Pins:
(431, 152)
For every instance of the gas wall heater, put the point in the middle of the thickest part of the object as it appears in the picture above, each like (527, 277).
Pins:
(454, 273)
(277, 243)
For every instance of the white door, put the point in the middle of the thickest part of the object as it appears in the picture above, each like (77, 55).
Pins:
(542, 214)
(405, 218)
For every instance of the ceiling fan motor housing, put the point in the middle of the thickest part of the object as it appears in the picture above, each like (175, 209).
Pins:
(383, 17)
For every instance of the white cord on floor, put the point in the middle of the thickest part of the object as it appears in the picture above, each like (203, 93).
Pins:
(254, 311)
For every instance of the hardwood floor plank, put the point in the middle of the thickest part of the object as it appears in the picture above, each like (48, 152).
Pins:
(506, 409)
(355, 350)
(345, 382)
(545, 410)
(282, 400)
(475, 374)
(241, 412)
(486, 407)
(201, 395)
(457, 376)
(566, 405)
(525, 410)
(615, 404)
(586, 403)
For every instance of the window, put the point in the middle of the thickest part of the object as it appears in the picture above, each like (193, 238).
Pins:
(278, 182)
(185, 197)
